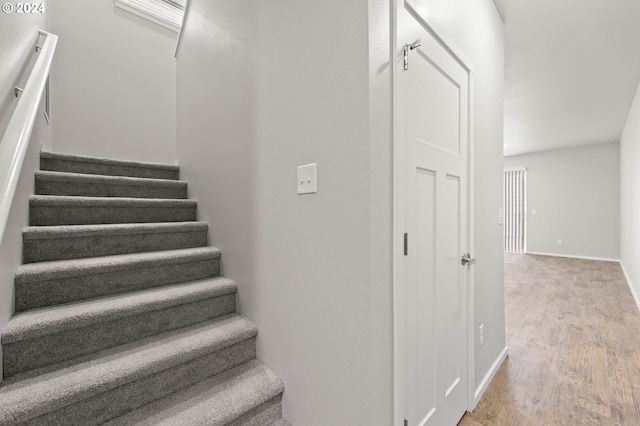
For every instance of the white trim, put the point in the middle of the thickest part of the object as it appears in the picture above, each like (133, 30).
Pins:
(440, 35)
(573, 256)
(471, 318)
(515, 169)
(489, 377)
(180, 31)
(631, 289)
(399, 366)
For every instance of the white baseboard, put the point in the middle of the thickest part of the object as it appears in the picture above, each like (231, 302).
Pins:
(631, 289)
(489, 376)
(574, 256)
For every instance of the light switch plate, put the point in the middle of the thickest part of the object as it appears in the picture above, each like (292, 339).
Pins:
(500, 216)
(307, 179)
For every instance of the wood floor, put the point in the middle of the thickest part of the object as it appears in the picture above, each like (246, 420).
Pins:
(573, 333)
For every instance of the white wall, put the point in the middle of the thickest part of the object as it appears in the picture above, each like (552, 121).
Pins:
(630, 197)
(114, 83)
(18, 33)
(477, 29)
(263, 88)
(576, 195)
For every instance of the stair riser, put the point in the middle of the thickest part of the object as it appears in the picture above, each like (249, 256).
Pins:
(89, 215)
(36, 294)
(82, 189)
(42, 250)
(70, 166)
(118, 401)
(39, 352)
(265, 414)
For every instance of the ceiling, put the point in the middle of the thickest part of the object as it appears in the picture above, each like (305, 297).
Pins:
(571, 71)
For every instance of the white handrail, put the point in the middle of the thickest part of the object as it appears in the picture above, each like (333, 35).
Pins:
(15, 141)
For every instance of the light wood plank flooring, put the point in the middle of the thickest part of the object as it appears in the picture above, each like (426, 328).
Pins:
(573, 332)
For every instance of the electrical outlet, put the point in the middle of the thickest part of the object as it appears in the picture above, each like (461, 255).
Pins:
(559, 242)
(481, 335)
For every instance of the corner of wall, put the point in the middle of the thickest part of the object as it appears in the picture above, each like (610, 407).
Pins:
(381, 395)
(631, 287)
(486, 380)
(629, 199)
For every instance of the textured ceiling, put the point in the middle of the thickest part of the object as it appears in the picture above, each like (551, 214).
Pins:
(572, 69)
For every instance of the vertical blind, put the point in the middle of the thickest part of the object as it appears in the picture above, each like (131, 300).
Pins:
(514, 210)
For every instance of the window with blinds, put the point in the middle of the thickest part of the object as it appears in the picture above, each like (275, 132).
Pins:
(168, 13)
(514, 210)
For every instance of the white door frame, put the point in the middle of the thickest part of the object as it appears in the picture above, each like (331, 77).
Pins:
(400, 208)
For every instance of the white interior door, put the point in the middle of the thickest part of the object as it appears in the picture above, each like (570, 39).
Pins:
(433, 119)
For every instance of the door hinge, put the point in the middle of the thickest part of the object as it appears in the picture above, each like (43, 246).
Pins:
(406, 244)
(407, 48)
(406, 57)
(406, 421)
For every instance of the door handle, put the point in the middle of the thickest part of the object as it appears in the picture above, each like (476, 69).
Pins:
(467, 260)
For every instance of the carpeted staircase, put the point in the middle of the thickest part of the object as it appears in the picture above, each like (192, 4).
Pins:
(121, 315)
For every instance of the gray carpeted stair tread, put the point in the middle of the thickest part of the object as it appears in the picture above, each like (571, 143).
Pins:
(74, 201)
(216, 401)
(51, 210)
(69, 268)
(53, 176)
(80, 184)
(55, 319)
(25, 397)
(79, 231)
(61, 281)
(45, 243)
(41, 337)
(83, 164)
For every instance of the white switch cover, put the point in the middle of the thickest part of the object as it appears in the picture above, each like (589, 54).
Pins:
(500, 216)
(534, 211)
(307, 179)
